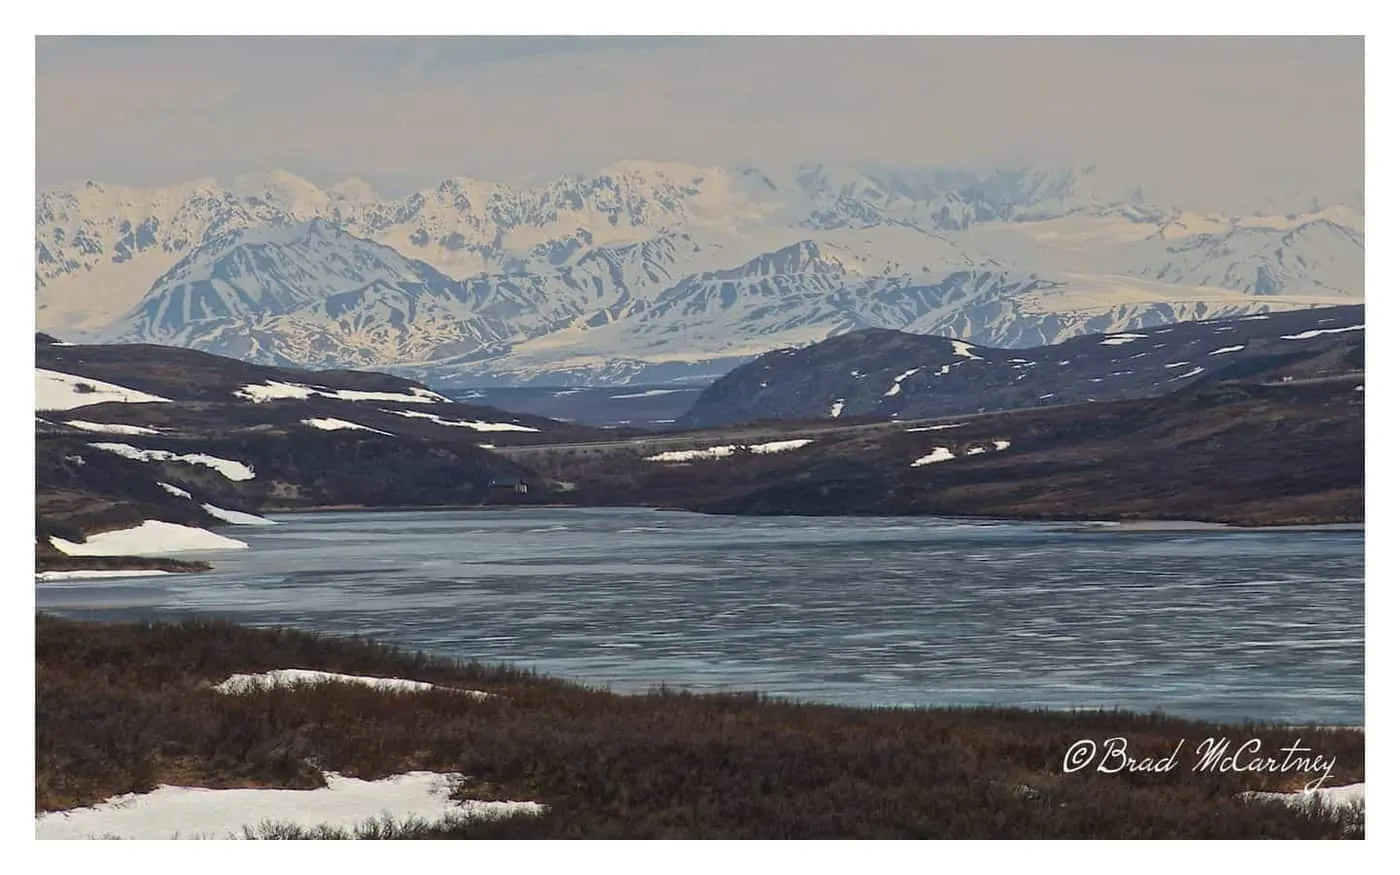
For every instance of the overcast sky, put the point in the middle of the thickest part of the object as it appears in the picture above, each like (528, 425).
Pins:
(1221, 123)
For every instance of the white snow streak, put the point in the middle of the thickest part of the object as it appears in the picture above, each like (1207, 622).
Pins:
(937, 427)
(111, 427)
(1120, 339)
(95, 574)
(647, 394)
(328, 424)
(173, 490)
(237, 517)
(1225, 349)
(272, 390)
(692, 455)
(474, 424)
(227, 467)
(894, 390)
(778, 446)
(837, 407)
(1309, 335)
(727, 450)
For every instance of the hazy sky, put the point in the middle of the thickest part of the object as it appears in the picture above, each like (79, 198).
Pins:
(1214, 122)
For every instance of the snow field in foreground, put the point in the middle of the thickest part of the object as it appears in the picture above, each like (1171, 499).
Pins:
(290, 677)
(198, 812)
(1331, 798)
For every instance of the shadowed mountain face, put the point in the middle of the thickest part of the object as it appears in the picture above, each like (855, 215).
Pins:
(649, 273)
(891, 374)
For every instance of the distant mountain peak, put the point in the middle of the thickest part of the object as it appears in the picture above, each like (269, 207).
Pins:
(656, 264)
(354, 190)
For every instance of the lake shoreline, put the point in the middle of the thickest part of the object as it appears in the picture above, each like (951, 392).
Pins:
(1134, 525)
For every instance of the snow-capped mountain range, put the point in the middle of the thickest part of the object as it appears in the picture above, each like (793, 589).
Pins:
(650, 272)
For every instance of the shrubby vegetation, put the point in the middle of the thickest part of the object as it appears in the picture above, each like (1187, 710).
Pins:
(125, 707)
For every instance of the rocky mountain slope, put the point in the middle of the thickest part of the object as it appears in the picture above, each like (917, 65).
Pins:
(891, 374)
(653, 272)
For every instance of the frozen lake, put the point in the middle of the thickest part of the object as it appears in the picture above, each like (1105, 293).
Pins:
(1226, 625)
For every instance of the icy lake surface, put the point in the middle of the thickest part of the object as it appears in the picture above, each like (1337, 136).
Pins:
(1225, 625)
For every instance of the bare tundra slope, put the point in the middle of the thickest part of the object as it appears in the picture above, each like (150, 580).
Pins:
(892, 374)
(168, 442)
(1244, 453)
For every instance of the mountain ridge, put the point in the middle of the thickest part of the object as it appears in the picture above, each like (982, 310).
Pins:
(481, 282)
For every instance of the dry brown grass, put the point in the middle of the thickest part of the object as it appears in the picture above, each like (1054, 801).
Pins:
(124, 707)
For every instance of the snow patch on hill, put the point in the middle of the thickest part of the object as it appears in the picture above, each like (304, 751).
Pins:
(111, 427)
(273, 390)
(227, 467)
(719, 452)
(58, 391)
(1120, 339)
(474, 424)
(1316, 332)
(778, 446)
(939, 454)
(894, 389)
(331, 424)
